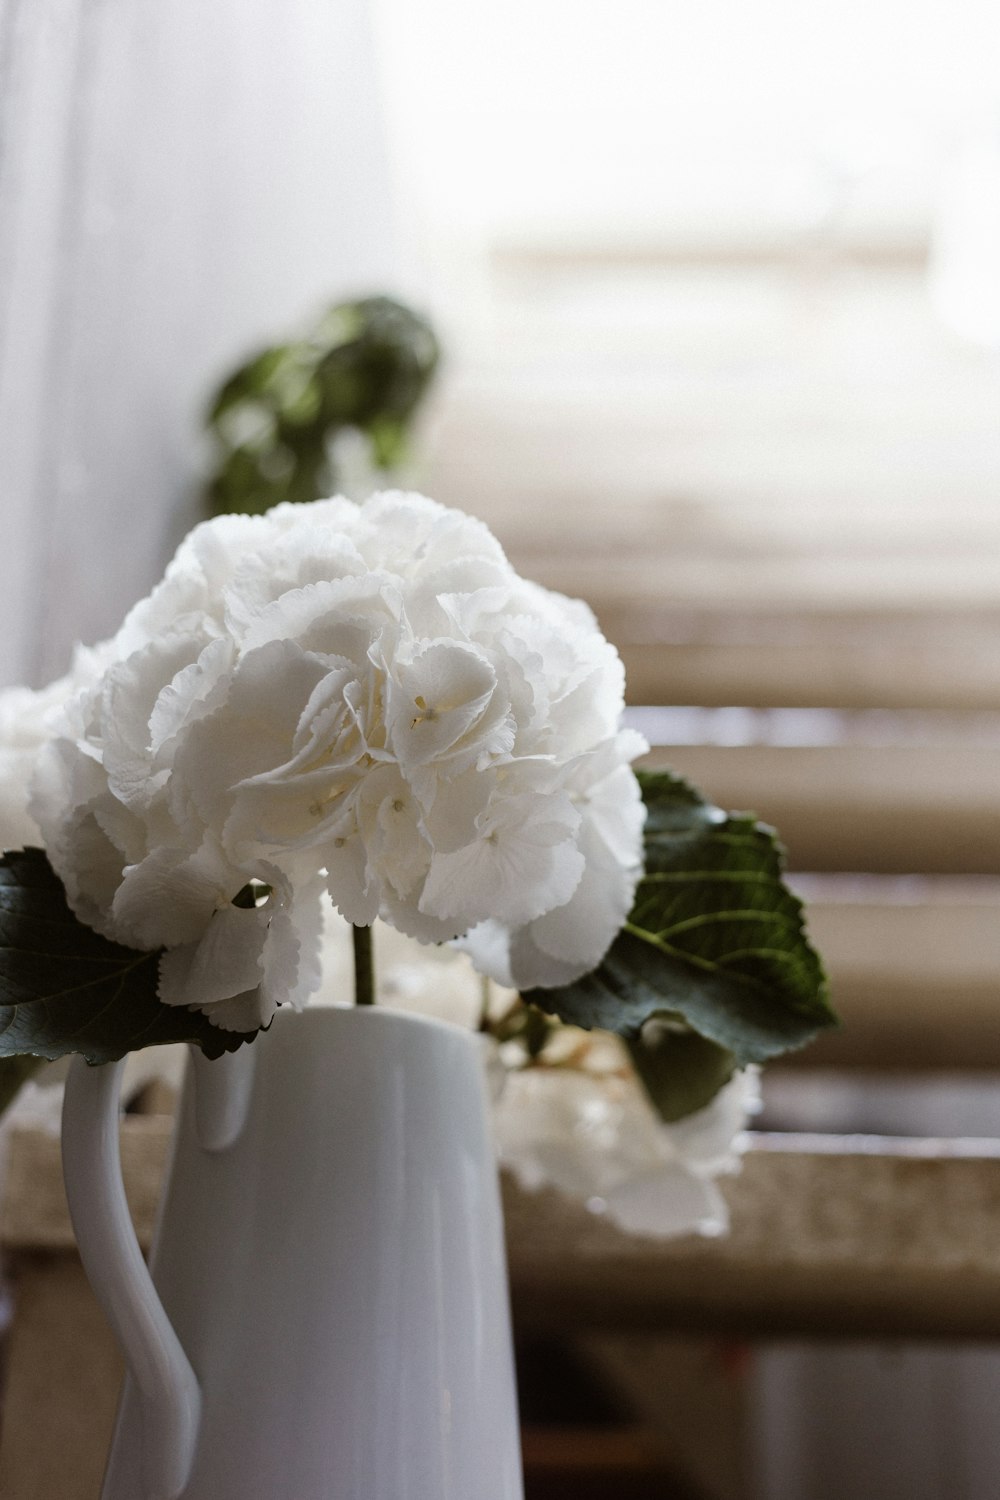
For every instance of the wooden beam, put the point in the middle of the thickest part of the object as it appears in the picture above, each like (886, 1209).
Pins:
(894, 808)
(837, 1238)
(830, 1236)
(914, 980)
(35, 1216)
(838, 668)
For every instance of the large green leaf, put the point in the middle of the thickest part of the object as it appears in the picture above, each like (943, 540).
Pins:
(64, 988)
(680, 1070)
(715, 937)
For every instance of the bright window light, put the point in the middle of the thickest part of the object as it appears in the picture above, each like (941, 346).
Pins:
(707, 122)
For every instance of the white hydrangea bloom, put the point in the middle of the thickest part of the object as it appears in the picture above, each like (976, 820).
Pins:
(592, 1133)
(363, 696)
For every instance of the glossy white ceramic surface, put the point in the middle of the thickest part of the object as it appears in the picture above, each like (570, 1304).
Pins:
(336, 1275)
(166, 1390)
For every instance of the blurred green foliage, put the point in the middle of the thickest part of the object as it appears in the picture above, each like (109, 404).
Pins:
(365, 367)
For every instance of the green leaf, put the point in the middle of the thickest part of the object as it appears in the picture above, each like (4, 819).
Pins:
(64, 988)
(253, 379)
(681, 1071)
(715, 937)
(365, 367)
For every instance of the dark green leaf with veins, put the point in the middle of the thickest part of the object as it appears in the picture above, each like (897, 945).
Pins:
(715, 937)
(64, 988)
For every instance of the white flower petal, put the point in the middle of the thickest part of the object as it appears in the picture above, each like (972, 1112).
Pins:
(443, 704)
(523, 863)
(292, 949)
(169, 897)
(248, 961)
(409, 920)
(250, 733)
(354, 890)
(488, 945)
(667, 1201)
(391, 822)
(223, 963)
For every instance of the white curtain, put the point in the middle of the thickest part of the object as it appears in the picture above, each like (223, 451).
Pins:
(179, 183)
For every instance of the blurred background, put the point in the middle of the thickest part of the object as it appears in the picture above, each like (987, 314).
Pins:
(717, 291)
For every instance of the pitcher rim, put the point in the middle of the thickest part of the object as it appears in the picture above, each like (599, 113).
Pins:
(318, 1016)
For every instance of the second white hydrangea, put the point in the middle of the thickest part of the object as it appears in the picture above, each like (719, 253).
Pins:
(365, 699)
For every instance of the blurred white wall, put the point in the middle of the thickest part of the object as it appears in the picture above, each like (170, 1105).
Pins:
(179, 183)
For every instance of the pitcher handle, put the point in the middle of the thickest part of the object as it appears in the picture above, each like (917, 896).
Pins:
(109, 1250)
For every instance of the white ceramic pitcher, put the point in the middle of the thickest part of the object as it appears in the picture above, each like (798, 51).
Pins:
(330, 1317)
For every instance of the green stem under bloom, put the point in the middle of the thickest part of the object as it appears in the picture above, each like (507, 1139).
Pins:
(484, 1003)
(364, 967)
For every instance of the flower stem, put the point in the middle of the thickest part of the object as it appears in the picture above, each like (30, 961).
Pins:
(364, 967)
(484, 1003)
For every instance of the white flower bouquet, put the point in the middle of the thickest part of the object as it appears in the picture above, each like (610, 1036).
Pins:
(366, 706)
